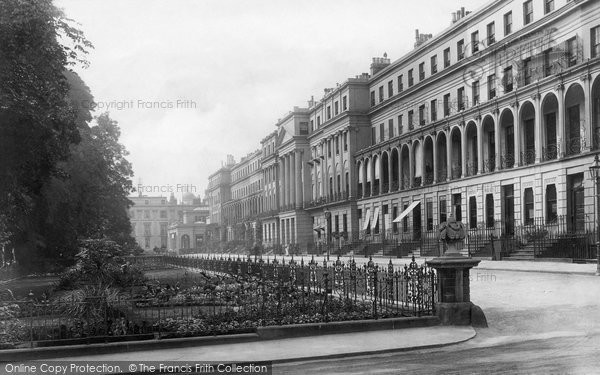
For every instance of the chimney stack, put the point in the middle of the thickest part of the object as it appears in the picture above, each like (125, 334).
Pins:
(379, 63)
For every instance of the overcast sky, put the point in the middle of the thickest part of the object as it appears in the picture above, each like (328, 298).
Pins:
(192, 81)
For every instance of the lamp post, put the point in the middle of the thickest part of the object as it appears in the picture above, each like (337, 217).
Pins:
(595, 175)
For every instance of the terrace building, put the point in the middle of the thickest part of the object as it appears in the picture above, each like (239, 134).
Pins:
(494, 121)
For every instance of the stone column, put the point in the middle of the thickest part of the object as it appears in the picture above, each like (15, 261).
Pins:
(380, 158)
(479, 146)
(449, 155)
(411, 165)
(390, 171)
(538, 128)
(587, 128)
(400, 170)
(282, 181)
(560, 121)
(298, 167)
(463, 150)
(293, 179)
(435, 162)
(498, 162)
(517, 131)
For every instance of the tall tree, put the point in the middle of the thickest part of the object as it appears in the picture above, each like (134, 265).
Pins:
(37, 121)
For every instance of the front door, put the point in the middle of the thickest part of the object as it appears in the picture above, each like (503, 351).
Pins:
(575, 203)
(508, 194)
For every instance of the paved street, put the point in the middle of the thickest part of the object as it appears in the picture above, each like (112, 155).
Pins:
(539, 323)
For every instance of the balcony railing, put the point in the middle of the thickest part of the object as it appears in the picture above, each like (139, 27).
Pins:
(489, 165)
(550, 152)
(405, 182)
(417, 181)
(335, 197)
(574, 146)
(507, 161)
(442, 174)
(395, 186)
(471, 169)
(528, 156)
(375, 189)
(385, 188)
(428, 178)
(456, 172)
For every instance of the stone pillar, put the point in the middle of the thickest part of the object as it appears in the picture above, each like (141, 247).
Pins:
(449, 155)
(517, 131)
(282, 182)
(390, 171)
(560, 121)
(453, 300)
(538, 128)
(588, 129)
(498, 160)
(298, 167)
(411, 166)
(463, 150)
(400, 170)
(435, 163)
(479, 146)
(293, 179)
(380, 159)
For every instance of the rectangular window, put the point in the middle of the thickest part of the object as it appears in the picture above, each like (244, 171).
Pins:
(442, 208)
(446, 57)
(429, 213)
(405, 220)
(147, 229)
(394, 215)
(551, 206)
(595, 40)
(548, 6)
(337, 145)
(472, 213)
(410, 120)
(344, 103)
(345, 141)
(400, 83)
(328, 112)
(380, 94)
(460, 98)
(163, 214)
(345, 223)
(422, 115)
(475, 41)
(336, 109)
(434, 110)
(433, 64)
(529, 207)
(381, 131)
(527, 72)
(390, 89)
(410, 78)
(372, 99)
(460, 49)
(491, 83)
(391, 127)
(527, 12)
(446, 105)
(421, 71)
(399, 124)
(572, 51)
(491, 33)
(507, 80)
(373, 136)
(507, 23)
(475, 90)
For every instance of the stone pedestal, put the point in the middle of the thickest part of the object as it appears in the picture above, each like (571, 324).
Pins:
(454, 305)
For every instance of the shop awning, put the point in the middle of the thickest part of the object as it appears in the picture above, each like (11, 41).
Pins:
(375, 218)
(367, 220)
(407, 211)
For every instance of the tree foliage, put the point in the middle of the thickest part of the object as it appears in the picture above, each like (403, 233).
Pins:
(60, 179)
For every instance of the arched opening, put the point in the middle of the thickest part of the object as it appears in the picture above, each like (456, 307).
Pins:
(385, 171)
(442, 158)
(549, 116)
(596, 113)
(361, 178)
(417, 164)
(456, 157)
(330, 181)
(574, 119)
(472, 152)
(527, 133)
(507, 139)
(488, 142)
(405, 167)
(428, 161)
(395, 165)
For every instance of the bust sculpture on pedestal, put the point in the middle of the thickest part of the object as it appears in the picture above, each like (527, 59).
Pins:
(452, 233)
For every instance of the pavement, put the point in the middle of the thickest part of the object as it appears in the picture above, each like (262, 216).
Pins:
(313, 347)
